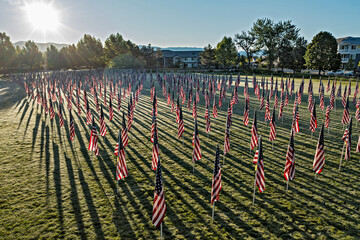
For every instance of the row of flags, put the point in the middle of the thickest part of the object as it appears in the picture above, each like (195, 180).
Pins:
(52, 88)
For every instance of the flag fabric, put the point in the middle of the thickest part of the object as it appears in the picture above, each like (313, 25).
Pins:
(272, 136)
(51, 110)
(155, 149)
(358, 145)
(159, 206)
(254, 134)
(267, 110)
(281, 110)
(216, 181)
(153, 128)
(194, 113)
(102, 123)
(124, 132)
(313, 121)
(214, 108)
(246, 114)
(72, 127)
(196, 142)
(260, 174)
(327, 117)
(319, 159)
(346, 114)
(61, 118)
(88, 114)
(111, 111)
(295, 122)
(348, 140)
(93, 143)
(227, 137)
(121, 168)
(181, 127)
(289, 171)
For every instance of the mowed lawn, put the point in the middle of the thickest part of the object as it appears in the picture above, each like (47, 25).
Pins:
(51, 188)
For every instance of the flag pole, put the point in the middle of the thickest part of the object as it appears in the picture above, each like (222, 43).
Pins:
(342, 152)
(213, 211)
(272, 144)
(254, 187)
(161, 231)
(311, 134)
(287, 185)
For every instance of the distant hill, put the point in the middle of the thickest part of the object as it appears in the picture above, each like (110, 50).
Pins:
(42, 46)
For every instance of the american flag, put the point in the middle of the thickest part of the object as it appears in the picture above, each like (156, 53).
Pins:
(72, 127)
(216, 182)
(78, 104)
(178, 110)
(129, 119)
(339, 91)
(206, 111)
(332, 97)
(93, 143)
(214, 108)
(159, 206)
(155, 149)
(328, 85)
(295, 122)
(69, 105)
(344, 97)
(111, 111)
(229, 116)
(121, 168)
(358, 145)
(194, 113)
(102, 123)
(327, 117)
(310, 101)
(357, 113)
(319, 159)
(260, 174)
(153, 127)
(246, 114)
(155, 105)
(181, 127)
(346, 115)
(88, 114)
(227, 137)
(289, 171)
(196, 142)
(262, 100)
(272, 136)
(51, 110)
(348, 140)
(254, 134)
(208, 128)
(267, 110)
(313, 121)
(61, 118)
(281, 110)
(119, 100)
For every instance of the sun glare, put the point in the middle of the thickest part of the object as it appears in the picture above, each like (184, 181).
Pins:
(42, 16)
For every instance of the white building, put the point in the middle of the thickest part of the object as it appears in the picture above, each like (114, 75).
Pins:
(349, 49)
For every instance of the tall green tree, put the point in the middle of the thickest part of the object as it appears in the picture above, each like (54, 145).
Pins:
(226, 53)
(90, 51)
(53, 58)
(7, 52)
(31, 56)
(115, 45)
(321, 53)
(207, 57)
(246, 41)
(298, 61)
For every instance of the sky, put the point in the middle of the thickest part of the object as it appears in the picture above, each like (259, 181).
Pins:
(171, 23)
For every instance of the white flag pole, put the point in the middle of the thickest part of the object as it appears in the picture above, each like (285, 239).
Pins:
(161, 231)
(213, 211)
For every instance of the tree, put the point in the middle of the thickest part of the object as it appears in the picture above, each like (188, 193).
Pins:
(90, 51)
(31, 56)
(277, 40)
(246, 41)
(298, 53)
(7, 52)
(115, 45)
(70, 57)
(226, 53)
(53, 58)
(150, 56)
(322, 53)
(207, 57)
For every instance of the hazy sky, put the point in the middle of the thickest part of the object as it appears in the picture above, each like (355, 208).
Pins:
(166, 23)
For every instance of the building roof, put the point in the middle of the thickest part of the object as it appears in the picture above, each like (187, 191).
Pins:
(184, 54)
(349, 40)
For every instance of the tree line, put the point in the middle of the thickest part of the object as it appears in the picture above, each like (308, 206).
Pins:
(277, 44)
(89, 52)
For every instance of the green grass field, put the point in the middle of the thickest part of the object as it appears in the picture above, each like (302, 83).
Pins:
(50, 188)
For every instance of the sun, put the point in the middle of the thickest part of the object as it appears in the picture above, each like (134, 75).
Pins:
(42, 16)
